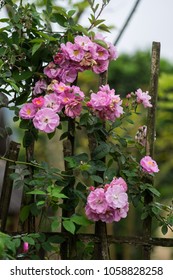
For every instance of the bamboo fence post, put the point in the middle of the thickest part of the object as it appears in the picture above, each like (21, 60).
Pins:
(68, 247)
(7, 186)
(101, 249)
(155, 61)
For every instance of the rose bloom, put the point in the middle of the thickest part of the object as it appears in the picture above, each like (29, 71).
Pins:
(46, 120)
(84, 42)
(38, 101)
(51, 70)
(75, 52)
(28, 111)
(52, 101)
(120, 213)
(40, 86)
(116, 196)
(96, 201)
(143, 97)
(149, 165)
(73, 109)
(91, 214)
(119, 181)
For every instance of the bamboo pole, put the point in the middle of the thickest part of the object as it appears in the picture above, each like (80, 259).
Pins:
(155, 61)
(101, 249)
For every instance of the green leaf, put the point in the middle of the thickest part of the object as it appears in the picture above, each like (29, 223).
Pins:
(55, 224)
(58, 18)
(144, 215)
(101, 151)
(56, 193)
(71, 13)
(47, 246)
(80, 220)
(29, 240)
(22, 76)
(84, 119)
(36, 47)
(164, 229)
(101, 43)
(37, 192)
(69, 226)
(56, 239)
(97, 179)
(154, 191)
(104, 27)
(24, 213)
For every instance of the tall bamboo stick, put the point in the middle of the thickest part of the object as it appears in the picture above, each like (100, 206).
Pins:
(155, 61)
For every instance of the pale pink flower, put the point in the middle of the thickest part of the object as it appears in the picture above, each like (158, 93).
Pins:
(100, 66)
(143, 97)
(91, 214)
(108, 216)
(101, 53)
(73, 109)
(96, 201)
(51, 70)
(52, 101)
(74, 51)
(68, 75)
(77, 92)
(120, 213)
(119, 181)
(46, 120)
(99, 100)
(149, 165)
(84, 42)
(113, 53)
(116, 197)
(40, 87)
(66, 97)
(58, 87)
(105, 104)
(28, 111)
(38, 101)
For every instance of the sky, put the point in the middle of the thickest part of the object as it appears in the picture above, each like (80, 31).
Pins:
(152, 21)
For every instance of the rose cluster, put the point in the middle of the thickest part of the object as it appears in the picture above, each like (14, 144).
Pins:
(44, 110)
(83, 54)
(105, 104)
(108, 203)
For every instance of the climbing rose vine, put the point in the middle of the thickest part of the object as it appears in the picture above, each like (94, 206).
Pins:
(108, 203)
(55, 97)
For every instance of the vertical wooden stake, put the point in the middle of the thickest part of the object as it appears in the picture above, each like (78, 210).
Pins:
(101, 249)
(155, 61)
(12, 155)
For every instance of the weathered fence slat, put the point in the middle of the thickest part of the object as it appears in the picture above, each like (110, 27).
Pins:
(155, 61)
(7, 186)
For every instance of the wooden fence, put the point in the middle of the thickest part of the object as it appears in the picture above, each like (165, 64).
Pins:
(100, 238)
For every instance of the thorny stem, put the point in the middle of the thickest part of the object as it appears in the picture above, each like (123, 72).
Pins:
(30, 164)
(104, 4)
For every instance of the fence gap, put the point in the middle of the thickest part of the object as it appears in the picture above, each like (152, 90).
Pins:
(155, 61)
